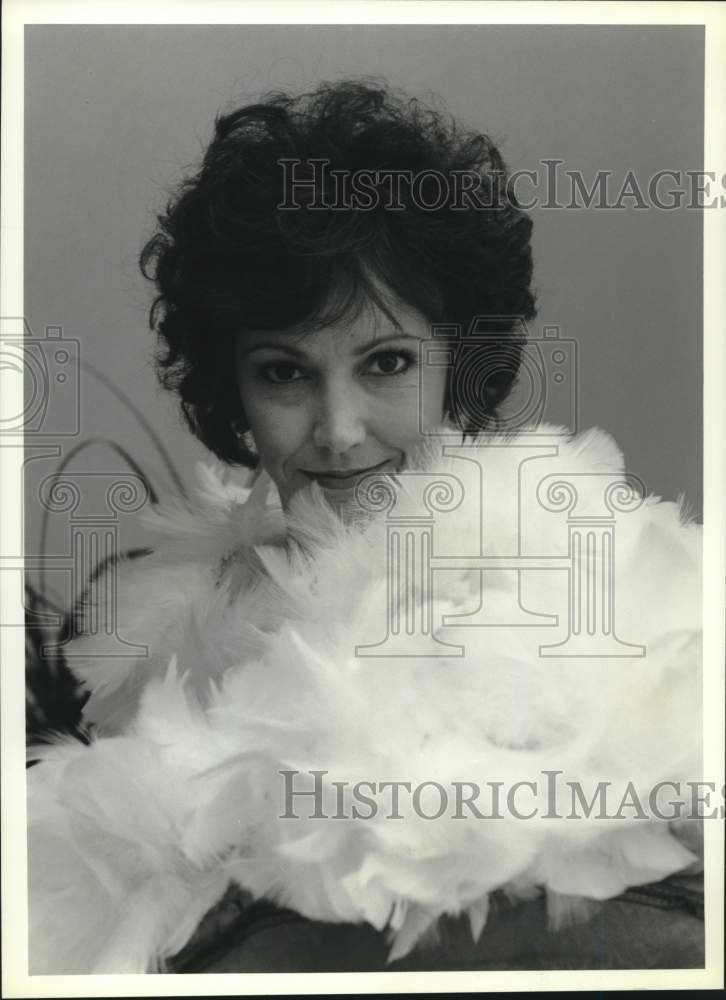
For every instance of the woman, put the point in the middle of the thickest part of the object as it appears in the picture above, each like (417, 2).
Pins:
(342, 291)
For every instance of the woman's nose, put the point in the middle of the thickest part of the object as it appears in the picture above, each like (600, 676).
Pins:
(339, 421)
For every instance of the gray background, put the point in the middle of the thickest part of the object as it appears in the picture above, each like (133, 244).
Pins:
(114, 116)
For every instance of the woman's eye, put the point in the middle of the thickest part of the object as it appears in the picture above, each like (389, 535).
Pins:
(280, 372)
(392, 362)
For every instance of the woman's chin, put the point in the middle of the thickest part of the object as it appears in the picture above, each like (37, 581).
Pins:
(346, 503)
(343, 501)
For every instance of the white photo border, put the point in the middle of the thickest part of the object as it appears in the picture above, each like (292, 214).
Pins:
(19, 13)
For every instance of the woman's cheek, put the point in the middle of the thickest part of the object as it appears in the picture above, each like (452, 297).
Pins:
(282, 434)
(402, 413)
(272, 416)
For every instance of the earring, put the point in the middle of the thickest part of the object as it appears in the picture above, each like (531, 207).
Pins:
(247, 440)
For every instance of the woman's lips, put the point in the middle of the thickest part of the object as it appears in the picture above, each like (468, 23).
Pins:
(343, 481)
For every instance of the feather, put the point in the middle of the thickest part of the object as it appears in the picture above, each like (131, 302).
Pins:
(256, 674)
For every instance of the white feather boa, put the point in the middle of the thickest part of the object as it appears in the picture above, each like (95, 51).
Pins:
(252, 619)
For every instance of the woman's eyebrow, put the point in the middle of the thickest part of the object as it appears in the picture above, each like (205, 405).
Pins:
(297, 352)
(375, 341)
(266, 345)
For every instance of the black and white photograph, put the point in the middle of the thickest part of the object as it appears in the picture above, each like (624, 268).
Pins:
(363, 495)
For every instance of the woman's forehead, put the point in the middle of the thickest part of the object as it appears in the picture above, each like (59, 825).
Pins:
(354, 333)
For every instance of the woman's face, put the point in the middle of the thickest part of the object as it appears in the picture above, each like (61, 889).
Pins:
(346, 399)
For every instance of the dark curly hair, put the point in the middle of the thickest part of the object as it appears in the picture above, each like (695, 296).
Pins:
(226, 257)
